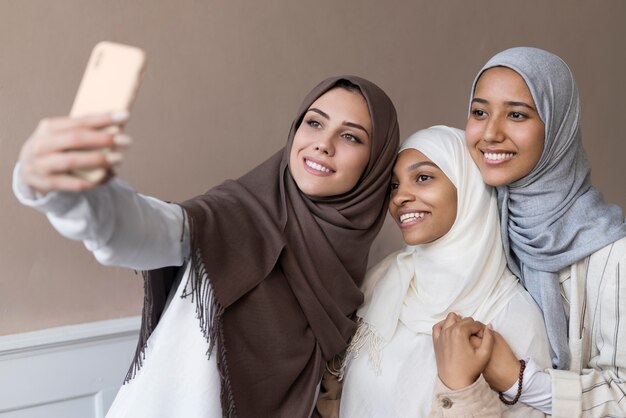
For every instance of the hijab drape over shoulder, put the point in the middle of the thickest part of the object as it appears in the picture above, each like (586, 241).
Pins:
(463, 271)
(553, 217)
(276, 272)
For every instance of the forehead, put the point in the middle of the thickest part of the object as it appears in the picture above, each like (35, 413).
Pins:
(340, 103)
(502, 81)
(409, 158)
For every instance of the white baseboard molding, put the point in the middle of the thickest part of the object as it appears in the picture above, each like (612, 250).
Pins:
(70, 371)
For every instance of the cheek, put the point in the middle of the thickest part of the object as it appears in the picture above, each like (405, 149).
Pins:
(391, 209)
(298, 139)
(357, 161)
(296, 146)
(533, 142)
(473, 132)
(293, 156)
(450, 203)
(538, 142)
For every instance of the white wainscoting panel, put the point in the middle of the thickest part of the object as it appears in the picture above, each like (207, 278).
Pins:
(65, 372)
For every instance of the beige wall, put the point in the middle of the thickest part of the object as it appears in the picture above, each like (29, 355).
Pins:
(222, 86)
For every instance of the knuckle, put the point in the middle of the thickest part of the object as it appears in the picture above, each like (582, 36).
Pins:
(44, 124)
(99, 159)
(35, 147)
(75, 139)
(46, 184)
(67, 162)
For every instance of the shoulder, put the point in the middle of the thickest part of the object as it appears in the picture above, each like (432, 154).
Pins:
(604, 266)
(611, 256)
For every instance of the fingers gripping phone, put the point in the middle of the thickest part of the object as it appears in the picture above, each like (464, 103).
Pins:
(110, 83)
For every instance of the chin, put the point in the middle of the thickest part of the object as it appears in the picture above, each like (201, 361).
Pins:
(413, 240)
(494, 179)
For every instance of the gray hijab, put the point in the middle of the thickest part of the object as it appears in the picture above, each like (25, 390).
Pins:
(553, 217)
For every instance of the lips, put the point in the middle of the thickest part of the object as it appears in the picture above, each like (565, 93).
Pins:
(316, 167)
(497, 157)
(409, 218)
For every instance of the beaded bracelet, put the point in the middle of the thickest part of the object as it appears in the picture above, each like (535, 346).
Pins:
(519, 386)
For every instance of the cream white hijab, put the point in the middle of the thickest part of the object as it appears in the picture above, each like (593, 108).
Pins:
(464, 271)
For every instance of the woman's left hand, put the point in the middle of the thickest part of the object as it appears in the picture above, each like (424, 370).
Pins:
(459, 361)
(503, 368)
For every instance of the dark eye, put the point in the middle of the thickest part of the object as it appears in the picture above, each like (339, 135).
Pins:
(478, 113)
(518, 115)
(352, 138)
(393, 187)
(313, 123)
(423, 177)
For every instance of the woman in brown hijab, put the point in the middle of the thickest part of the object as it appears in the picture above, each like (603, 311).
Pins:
(272, 262)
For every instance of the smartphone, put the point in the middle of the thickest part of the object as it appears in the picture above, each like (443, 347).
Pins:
(110, 83)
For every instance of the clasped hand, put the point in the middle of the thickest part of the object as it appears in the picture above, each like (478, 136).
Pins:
(465, 349)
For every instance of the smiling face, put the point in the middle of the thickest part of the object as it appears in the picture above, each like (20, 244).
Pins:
(505, 134)
(332, 145)
(423, 199)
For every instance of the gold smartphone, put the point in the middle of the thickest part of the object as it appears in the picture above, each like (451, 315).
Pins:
(110, 83)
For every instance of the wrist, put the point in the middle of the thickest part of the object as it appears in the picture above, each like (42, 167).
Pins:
(520, 382)
(508, 377)
(457, 382)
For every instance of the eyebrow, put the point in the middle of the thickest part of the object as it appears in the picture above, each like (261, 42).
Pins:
(415, 166)
(509, 103)
(345, 123)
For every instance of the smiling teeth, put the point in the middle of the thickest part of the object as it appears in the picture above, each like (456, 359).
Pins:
(498, 156)
(317, 166)
(408, 216)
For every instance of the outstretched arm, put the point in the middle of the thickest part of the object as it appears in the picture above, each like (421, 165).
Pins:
(118, 225)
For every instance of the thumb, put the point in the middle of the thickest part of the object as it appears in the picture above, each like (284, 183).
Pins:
(436, 331)
(487, 343)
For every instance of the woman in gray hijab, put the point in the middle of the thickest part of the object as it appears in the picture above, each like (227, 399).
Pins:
(564, 242)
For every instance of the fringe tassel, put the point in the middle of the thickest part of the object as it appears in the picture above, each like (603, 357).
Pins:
(365, 336)
(148, 317)
(144, 331)
(208, 310)
(209, 313)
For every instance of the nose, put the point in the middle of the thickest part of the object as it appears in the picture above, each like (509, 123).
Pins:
(325, 145)
(401, 196)
(493, 132)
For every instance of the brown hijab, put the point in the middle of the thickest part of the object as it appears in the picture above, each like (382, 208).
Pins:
(276, 273)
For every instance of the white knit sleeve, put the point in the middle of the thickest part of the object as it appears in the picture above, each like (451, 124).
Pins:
(119, 226)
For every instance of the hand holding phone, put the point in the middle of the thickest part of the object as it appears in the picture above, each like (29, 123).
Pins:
(109, 84)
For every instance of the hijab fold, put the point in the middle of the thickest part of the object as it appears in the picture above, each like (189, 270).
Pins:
(553, 217)
(276, 273)
(463, 271)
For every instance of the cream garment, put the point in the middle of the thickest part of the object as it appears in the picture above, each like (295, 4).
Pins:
(176, 379)
(404, 386)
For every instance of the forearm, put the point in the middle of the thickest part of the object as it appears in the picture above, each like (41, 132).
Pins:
(119, 226)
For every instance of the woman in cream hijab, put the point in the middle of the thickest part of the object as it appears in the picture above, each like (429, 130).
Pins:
(453, 262)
